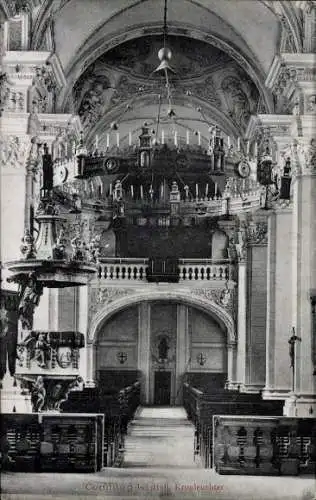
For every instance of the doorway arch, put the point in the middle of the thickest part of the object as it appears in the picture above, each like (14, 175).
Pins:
(147, 364)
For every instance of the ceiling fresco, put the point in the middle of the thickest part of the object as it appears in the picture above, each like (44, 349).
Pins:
(139, 57)
(203, 74)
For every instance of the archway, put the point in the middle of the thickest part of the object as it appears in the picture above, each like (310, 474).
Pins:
(161, 336)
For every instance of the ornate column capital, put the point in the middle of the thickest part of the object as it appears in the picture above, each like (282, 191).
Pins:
(293, 77)
(32, 80)
(303, 156)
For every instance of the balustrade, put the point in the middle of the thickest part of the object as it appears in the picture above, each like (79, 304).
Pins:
(264, 445)
(202, 406)
(135, 270)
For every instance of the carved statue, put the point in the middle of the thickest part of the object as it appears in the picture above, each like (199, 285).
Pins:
(241, 249)
(59, 251)
(225, 297)
(163, 348)
(60, 395)
(29, 298)
(41, 347)
(94, 248)
(78, 248)
(27, 247)
(38, 394)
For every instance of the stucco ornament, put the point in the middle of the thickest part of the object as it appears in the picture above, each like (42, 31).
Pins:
(100, 297)
(14, 151)
(304, 155)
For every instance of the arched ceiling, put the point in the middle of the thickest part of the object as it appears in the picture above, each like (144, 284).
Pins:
(222, 54)
(253, 26)
(122, 82)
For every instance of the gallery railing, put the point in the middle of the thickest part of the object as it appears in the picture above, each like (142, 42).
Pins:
(189, 270)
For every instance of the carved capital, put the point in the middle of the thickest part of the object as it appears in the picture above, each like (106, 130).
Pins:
(293, 77)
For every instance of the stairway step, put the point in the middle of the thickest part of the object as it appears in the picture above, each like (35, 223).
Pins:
(160, 437)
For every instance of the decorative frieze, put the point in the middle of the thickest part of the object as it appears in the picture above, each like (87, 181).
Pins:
(221, 296)
(101, 297)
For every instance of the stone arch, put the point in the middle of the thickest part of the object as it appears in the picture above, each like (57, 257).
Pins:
(197, 301)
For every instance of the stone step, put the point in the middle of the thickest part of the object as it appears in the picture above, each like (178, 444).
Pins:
(160, 437)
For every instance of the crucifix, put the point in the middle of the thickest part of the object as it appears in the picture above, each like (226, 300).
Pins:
(122, 357)
(201, 359)
(292, 351)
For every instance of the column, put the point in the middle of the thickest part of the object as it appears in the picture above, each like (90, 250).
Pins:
(90, 365)
(182, 349)
(82, 327)
(293, 76)
(304, 241)
(241, 322)
(279, 305)
(144, 355)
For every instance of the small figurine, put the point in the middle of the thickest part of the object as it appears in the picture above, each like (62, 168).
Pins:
(30, 295)
(38, 394)
(41, 347)
(77, 248)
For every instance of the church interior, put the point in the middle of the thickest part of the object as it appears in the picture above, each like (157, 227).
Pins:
(158, 246)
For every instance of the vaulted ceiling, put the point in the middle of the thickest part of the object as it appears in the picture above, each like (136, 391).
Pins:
(222, 51)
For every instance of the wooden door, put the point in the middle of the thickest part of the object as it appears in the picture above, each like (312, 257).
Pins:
(162, 388)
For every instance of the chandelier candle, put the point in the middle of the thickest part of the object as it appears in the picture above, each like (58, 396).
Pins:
(129, 138)
(188, 137)
(118, 139)
(107, 140)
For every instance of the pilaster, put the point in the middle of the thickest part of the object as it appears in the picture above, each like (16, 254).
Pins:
(279, 307)
(144, 349)
(182, 349)
(292, 77)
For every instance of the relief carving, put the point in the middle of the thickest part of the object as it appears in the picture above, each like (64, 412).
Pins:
(223, 297)
(304, 157)
(92, 95)
(100, 297)
(240, 97)
(257, 233)
(13, 151)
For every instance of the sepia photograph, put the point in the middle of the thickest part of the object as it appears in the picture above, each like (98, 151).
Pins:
(158, 249)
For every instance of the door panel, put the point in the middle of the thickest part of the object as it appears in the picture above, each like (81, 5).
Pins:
(162, 388)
